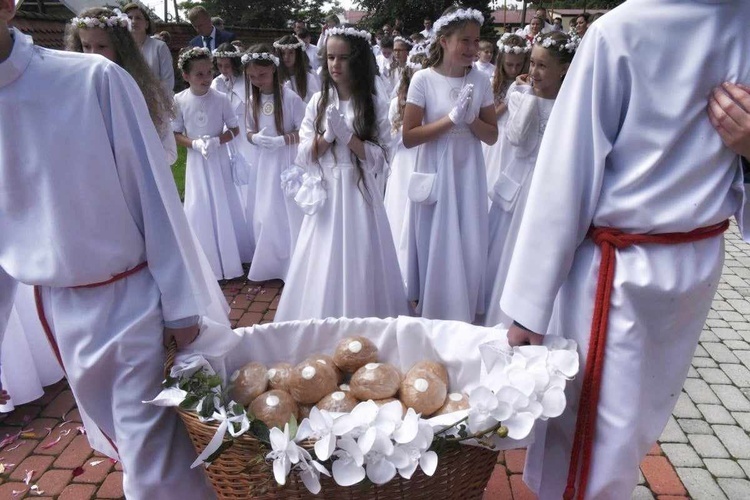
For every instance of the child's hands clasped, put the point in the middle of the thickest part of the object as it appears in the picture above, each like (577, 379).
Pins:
(336, 124)
(262, 140)
(460, 112)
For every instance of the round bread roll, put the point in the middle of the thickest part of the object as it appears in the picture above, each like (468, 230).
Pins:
(339, 401)
(304, 411)
(433, 367)
(423, 391)
(248, 383)
(311, 381)
(325, 359)
(352, 353)
(454, 401)
(274, 408)
(381, 402)
(375, 381)
(279, 375)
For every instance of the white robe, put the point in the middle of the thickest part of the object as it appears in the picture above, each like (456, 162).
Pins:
(486, 68)
(527, 117)
(313, 86)
(112, 206)
(448, 239)
(344, 264)
(276, 218)
(396, 201)
(234, 88)
(492, 159)
(159, 59)
(212, 203)
(27, 360)
(629, 146)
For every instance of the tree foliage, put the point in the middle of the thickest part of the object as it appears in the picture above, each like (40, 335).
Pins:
(265, 13)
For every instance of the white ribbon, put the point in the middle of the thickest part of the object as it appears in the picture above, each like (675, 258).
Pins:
(220, 415)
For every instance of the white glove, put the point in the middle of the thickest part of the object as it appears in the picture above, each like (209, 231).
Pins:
(212, 144)
(329, 136)
(268, 142)
(459, 112)
(198, 145)
(336, 122)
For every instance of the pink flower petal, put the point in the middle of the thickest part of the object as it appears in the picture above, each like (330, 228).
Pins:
(52, 443)
(77, 471)
(29, 475)
(95, 463)
(14, 447)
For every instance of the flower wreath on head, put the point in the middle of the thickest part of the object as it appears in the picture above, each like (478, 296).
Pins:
(104, 22)
(221, 54)
(288, 46)
(403, 40)
(421, 48)
(350, 32)
(513, 49)
(259, 56)
(548, 43)
(458, 15)
(192, 53)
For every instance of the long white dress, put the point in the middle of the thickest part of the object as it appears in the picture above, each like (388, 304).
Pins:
(113, 205)
(159, 59)
(344, 264)
(313, 86)
(448, 239)
(519, 146)
(27, 360)
(277, 218)
(396, 201)
(234, 88)
(492, 154)
(629, 146)
(212, 204)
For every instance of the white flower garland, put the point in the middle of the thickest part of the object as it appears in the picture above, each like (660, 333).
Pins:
(192, 53)
(222, 54)
(103, 22)
(350, 32)
(403, 40)
(421, 48)
(512, 49)
(259, 56)
(548, 43)
(459, 15)
(288, 46)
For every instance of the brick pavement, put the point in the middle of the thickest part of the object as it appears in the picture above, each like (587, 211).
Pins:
(704, 453)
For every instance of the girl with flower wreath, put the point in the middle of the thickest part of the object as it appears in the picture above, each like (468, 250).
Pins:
(295, 71)
(114, 41)
(274, 114)
(512, 61)
(449, 113)
(529, 106)
(396, 200)
(231, 81)
(212, 203)
(345, 262)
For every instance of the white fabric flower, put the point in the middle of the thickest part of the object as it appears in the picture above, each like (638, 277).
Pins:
(486, 409)
(291, 180)
(311, 195)
(319, 427)
(348, 467)
(407, 456)
(284, 454)
(309, 472)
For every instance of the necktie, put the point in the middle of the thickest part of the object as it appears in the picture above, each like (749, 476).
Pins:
(207, 41)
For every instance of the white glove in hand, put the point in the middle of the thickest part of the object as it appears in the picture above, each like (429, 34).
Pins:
(337, 123)
(198, 145)
(269, 142)
(329, 136)
(460, 110)
(212, 144)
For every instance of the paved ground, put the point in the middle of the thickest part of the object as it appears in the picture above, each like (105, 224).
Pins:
(704, 452)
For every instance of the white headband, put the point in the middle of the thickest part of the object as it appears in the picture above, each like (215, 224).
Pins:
(350, 32)
(259, 56)
(570, 45)
(192, 53)
(288, 46)
(218, 53)
(458, 15)
(403, 40)
(118, 19)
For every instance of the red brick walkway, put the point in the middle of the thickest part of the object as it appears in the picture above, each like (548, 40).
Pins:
(53, 453)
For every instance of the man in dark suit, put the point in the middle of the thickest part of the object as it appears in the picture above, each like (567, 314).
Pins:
(208, 35)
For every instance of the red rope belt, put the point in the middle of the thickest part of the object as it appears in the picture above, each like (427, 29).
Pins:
(48, 330)
(609, 240)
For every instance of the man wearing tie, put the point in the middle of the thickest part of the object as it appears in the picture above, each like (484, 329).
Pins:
(208, 35)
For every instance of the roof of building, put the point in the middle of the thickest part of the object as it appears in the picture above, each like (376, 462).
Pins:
(48, 30)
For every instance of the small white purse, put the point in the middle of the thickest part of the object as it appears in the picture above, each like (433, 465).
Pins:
(422, 188)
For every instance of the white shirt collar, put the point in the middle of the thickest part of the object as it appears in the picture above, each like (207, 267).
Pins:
(18, 60)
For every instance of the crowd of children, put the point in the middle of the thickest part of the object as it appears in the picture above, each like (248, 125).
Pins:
(374, 180)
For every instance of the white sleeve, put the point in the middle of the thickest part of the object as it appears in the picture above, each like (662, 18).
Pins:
(307, 134)
(417, 91)
(313, 83)
(567, 180)
(178, 122)
(487, 97)
(228, 113)
(297, 109)
(522, 126)
(166, 70)
(170, 146)
(151, 197)
(378, 155)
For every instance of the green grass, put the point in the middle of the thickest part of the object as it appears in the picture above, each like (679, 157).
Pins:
(178, 171)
